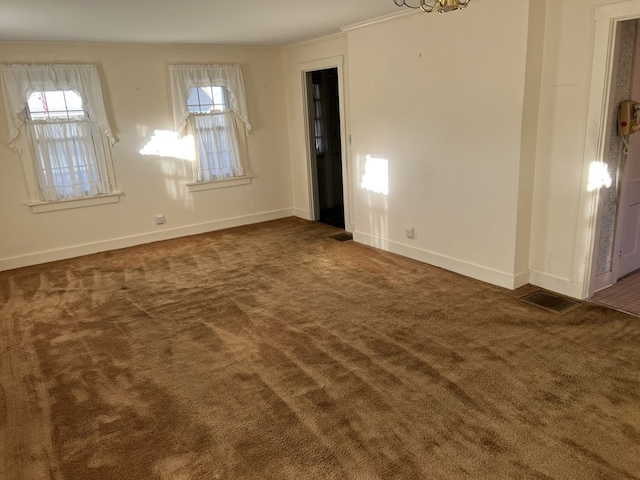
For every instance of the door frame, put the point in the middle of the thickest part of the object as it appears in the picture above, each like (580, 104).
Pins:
(607, 18)
(631, 158)
(305, 68)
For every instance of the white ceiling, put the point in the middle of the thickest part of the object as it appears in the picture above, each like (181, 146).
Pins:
(230, 22)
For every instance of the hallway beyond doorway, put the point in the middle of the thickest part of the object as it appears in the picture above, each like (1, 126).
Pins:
(624, 295)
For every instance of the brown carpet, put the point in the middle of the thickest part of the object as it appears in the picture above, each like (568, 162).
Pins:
(276, 352)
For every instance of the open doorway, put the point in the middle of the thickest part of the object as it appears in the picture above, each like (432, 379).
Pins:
(617, 256)
(325, 146)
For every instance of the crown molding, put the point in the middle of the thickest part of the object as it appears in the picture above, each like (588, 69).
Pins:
(384, 19)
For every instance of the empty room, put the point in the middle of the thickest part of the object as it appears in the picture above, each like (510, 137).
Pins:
(365, 239)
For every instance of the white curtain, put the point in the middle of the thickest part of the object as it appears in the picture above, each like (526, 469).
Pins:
(218, 147)
(71, 166)
(20, 81)
(185, 77)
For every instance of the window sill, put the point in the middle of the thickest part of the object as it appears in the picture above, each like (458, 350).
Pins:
(43, 207)
(225, 182)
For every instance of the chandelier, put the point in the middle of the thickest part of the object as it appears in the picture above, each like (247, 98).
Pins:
(440, 6)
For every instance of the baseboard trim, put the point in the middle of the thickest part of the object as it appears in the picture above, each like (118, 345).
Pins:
(130, 241)
(494, 277)
(563, 286)
(522, 279)
(300, 213)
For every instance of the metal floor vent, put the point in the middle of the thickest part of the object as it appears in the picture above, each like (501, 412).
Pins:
(551, 301)
(342, 237)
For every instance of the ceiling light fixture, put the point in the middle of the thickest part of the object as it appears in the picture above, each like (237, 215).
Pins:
(440, 6)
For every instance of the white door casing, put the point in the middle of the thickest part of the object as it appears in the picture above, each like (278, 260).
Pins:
(628, 230)
(607, 18)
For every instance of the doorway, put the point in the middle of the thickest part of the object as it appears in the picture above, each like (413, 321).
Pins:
(323, 102)
(618, 241)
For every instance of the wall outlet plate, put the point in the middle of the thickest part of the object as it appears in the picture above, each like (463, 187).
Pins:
(411, 232)
(159, 219)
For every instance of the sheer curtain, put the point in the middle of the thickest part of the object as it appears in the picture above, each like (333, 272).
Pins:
(20, 81)
(70, 164)
(185, 77)
(218, 154)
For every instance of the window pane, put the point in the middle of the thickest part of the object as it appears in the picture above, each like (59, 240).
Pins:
(193, 97)
(74, 101)
(206, 98)
(217, 96)
(55, 104)
(36, 103)
(55, 101)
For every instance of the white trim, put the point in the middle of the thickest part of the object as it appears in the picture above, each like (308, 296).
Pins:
(54, 206)
(563, 286)
(626, 10)
(521, 279)
(222, 183)
(300, 213)
(124, 242)
(307, 43)
(384, 19)
(347, 187)
(606, 17)
(479, 272)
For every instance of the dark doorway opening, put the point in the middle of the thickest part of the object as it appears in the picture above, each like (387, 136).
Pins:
(326, 146)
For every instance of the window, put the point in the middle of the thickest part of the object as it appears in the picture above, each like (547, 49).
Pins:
(64, 118)
(209, 104)
(207, 99)
(320, 133)
(56, 104)
(67, 148)
(215, 134)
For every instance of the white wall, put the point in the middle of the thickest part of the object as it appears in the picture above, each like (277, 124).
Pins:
(135, 84)
(563, 210)
(485, 137)
(440, 97)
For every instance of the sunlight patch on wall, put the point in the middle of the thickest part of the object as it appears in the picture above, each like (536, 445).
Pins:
(376, 175)
(165, 143)
(598, 176)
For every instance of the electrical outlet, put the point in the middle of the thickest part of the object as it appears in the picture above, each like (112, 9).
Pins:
(159, 219)
(411, 232)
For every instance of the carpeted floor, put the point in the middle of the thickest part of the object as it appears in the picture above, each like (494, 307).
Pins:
(277, 352)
